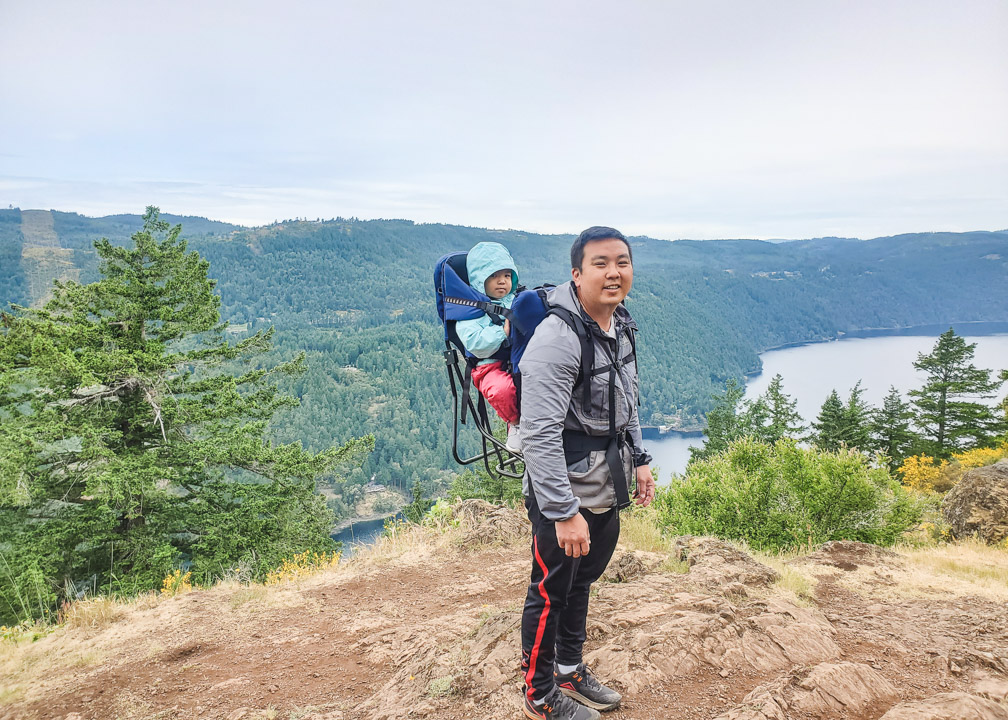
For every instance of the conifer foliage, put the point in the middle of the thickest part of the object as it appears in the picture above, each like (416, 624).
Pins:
(131, 445)
(949, 406)
(839, 425)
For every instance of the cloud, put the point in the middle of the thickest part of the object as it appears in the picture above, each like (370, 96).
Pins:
(698, 119)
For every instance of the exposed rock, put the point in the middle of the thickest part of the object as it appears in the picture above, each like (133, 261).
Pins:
(949, 706)
(832, 688)
(979, 503)
(487, 524)
(716, 563)
(626, 565)
(992, 658)
(992, 688)
(850, 554)
(623, 567)
(827, 690)
(675, 635)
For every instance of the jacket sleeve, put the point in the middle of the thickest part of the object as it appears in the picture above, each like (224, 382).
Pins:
(641, 456)
(549, 368)
(480, 336)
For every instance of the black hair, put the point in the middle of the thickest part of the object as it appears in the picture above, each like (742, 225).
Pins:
(596, 232)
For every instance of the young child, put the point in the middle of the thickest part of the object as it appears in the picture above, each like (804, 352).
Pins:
(493, 273)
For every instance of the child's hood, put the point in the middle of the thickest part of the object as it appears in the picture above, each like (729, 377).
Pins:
(484, 260)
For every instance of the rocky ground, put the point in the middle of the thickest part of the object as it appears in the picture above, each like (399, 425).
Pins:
(427, 625)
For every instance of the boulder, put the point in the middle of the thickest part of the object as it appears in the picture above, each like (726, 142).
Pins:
(625, 565)
(978, 504)
(716, 563)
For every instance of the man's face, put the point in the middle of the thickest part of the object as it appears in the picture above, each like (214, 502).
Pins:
(606, 274)
(498, 285)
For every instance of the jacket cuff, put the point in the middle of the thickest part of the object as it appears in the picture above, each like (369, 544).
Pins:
(642, 458)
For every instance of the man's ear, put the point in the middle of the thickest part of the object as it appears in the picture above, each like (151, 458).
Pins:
(576, 277)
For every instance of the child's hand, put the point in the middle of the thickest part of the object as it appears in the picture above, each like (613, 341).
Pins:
(507, 327)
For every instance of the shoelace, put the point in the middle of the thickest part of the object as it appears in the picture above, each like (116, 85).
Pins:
(588, 679)
(585, 676)
(562, 702)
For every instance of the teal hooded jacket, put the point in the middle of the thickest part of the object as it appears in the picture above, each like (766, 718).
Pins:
(480, 336)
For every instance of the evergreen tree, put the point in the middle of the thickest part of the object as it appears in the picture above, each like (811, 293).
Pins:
(1003, 377)
(890, 429)
(133, 441)
(828, 427)
(769, 418)
(857, 420)
(781, 415)
(724, 422)
(839, 424)
(949, 413)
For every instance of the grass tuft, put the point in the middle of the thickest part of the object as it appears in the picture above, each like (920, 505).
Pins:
(792, 581)
(440, 687)
(965, 567)
(639, 530)
(92, 613)
(247, 594)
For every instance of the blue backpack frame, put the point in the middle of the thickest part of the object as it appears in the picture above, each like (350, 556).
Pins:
(457, 300)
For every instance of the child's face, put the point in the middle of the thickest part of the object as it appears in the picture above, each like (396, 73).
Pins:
(498, 285)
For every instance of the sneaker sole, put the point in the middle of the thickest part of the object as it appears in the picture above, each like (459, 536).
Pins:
(575, 695)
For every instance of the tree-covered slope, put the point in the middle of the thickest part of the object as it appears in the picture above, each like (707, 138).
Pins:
(358, 297)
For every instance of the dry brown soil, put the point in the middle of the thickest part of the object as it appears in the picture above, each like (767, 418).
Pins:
(428, 627)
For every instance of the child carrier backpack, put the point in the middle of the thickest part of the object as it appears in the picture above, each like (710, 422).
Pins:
(457, 300)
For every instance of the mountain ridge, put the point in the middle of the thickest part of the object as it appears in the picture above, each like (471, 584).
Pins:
(358, 294)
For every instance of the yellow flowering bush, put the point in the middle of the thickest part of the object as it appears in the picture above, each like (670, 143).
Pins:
(176, 582)
(302, 565)
(920, 473)
(979, 457)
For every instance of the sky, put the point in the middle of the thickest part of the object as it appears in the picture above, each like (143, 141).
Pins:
(713, 119)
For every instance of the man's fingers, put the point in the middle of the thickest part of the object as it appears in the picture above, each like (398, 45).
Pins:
(576, 549)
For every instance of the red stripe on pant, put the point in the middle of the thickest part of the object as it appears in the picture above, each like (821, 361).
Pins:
(543, 617)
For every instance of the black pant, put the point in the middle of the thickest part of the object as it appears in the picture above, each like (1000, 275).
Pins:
(556, 607)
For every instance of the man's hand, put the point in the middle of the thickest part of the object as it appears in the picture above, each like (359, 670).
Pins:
(572, 535)
(644, 493)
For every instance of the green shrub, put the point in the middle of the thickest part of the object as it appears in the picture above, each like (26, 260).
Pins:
(783, 496)
(478, 484)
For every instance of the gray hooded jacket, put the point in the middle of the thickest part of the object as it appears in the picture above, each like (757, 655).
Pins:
(550, 404)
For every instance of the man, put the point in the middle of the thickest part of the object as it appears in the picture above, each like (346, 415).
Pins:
(582, 443)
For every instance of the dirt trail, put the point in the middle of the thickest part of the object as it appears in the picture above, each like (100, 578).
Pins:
(433, 632)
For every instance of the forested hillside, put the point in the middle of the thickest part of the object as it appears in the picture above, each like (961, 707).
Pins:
(357, 297)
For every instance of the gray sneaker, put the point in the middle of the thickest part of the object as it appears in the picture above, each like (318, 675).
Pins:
(586, 689)
(513, 442)
(557, 706)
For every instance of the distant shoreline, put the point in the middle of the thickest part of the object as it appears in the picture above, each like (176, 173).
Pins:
(346, 523)
(974, 327)
(980, 328)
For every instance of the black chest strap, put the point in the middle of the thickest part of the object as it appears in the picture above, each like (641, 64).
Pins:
(577, 445)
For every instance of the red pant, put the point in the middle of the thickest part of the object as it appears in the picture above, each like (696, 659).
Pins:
(499, 390)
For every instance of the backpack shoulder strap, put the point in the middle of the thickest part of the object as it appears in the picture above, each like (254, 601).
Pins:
(577, 324)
